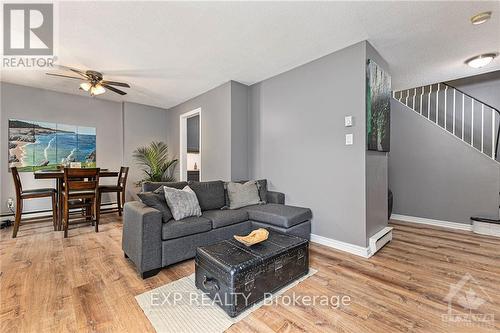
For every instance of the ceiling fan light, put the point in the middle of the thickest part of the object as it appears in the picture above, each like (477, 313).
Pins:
(480, 60)
(97, 90)
(85, 86)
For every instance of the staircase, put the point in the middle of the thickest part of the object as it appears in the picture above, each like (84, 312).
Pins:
(474, 122)
(470, 120)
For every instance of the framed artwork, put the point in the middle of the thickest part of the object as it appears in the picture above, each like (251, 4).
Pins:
(378, 108)
(36, 145)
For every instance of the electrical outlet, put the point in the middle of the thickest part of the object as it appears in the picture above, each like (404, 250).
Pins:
(10, 203)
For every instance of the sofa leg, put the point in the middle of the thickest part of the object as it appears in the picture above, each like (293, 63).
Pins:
(150, 273)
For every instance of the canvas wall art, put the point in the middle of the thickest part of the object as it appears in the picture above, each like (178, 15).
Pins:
(378, 108)
(36, 145)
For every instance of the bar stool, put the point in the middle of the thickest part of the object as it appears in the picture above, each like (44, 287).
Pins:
(80, 191)
(119, 189)
(21, 195)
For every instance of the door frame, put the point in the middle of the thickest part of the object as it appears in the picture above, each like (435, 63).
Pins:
(183, 143)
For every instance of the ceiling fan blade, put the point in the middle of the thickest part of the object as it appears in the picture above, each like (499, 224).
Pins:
(113, 89)
(79, 72)
(114, 83)
(66, 76)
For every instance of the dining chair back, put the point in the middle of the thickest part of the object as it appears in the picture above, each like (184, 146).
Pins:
(80, 191)
(119, 189)
(21, 195)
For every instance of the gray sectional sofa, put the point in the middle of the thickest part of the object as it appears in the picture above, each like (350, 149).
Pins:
(152, 243)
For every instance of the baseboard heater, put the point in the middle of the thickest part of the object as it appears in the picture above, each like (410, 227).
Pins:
(381, 238)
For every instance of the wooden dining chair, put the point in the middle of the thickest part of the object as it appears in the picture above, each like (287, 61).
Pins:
(80, 192)
(119, 189)
(21, 195)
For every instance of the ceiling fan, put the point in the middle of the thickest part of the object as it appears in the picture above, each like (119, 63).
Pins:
(94, 82)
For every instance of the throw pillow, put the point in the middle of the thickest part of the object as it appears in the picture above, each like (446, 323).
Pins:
(182, 203)
(156, 201)
(242, 195)
(210, 194)
(261, 185)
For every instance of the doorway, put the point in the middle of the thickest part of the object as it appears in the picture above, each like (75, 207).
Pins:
(190, 146)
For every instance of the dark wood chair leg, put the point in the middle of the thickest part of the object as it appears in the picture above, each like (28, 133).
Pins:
(119, 202)
(54, 211)
(17, 222)
(97, 207)
(66, 219)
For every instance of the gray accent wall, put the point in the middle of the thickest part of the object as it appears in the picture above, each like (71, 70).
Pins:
(121, 127)
(142, 124)
(215, 107)
(239, 131)
(297, 141)
(435, 175)
(224, 117)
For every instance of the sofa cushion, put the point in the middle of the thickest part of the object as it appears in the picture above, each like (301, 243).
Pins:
(156, 201)
(222, 218)
(278, 215)
(188, 226)
(210, 194)
(158, 186)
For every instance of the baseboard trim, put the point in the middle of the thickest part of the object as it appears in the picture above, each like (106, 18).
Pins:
(48, 213)
(342, 246)
(436, 223)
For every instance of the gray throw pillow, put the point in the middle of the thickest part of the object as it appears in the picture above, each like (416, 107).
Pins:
(261, 185)
(156, 201)
(242, 195)
(210, 194)
(182, 203)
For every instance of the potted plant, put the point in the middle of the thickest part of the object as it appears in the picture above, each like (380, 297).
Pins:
(155, 163)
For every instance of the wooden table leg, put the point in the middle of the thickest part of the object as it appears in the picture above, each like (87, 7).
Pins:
(59, 203)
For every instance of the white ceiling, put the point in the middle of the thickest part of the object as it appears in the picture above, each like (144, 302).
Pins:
(170, 52)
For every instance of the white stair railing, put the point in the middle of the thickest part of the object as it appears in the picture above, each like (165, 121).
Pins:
(474, 122)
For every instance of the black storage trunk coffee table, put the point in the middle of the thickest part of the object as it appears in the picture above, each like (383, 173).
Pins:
(236, 276)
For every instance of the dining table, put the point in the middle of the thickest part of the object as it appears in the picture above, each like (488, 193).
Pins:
(58, 176)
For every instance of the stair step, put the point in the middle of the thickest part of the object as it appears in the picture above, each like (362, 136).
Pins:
(485, 220)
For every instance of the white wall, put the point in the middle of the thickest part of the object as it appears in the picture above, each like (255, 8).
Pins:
(119, 131)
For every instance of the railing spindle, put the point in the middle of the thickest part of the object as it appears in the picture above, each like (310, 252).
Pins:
(429, 103)
(482, 128)
(493, 134)
(421, 98)
(472, 124)
(454, 96)
(463, 115)
(445, 102)
(437, 104)
(414, 94)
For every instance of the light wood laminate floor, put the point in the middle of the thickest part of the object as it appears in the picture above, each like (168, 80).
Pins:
(83, 283)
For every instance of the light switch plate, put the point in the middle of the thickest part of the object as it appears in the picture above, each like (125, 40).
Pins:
(348, 121)
(349, 139)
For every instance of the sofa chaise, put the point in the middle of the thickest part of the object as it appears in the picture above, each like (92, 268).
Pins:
(152, 243)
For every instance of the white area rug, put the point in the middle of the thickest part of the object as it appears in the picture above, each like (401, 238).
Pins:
(180, 307)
